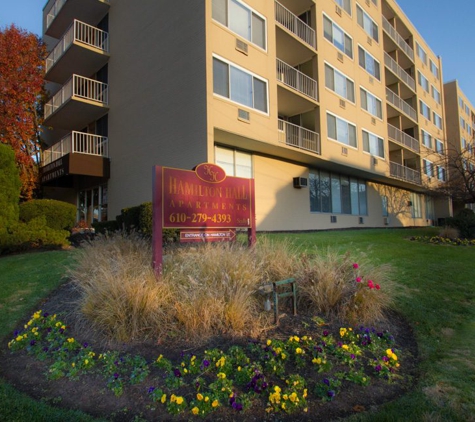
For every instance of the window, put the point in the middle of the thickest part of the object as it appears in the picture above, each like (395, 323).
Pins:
(375, 2)
(340, 130)
(469, 129)
(339, 83)
(464, 143)
(439, 146)
(462, 123)
(241, 19)
(373, 144)
(467, 110)
(426, 139)
(339, 38)
(235, 163)
(337, 193)
(423, 81)
(441, 174)
(371, 104)
(461, 104)
(369, 63)
(435, 94)
(416, 209)
(384, 205)
(345, 5)
(434, 69)
(239, 85)
(421, 53)
(437, 120)
(424, 109)
(427, 167)
(367, 23)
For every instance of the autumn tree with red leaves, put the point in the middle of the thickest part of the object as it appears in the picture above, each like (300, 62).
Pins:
(22, 93)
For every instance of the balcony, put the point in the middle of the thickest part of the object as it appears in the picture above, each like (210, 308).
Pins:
(298, 137)
(295, 25)
(400, 41)
(58, 14)
(80, 101)
(400, 104)
(392, 65)
(404, 173)
(403, 139)
(83, 49)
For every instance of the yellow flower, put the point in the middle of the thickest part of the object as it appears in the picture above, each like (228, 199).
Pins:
(293, 397)
(195, 410)
(215, 403)
(222, 375)
(63, 327)
(86, 362)
(389, 352)
(199, 396)
(206, 399)
(298, 350)
(296, 339)
(342, 332)
(173, 398)
(283, 406)
(304, 393)
(393, 357)
(283, 355)
(179, 400)
(345, 346)
(183, 364)
(285, 397)
(317, 361)
(277, 389)
(164, 398)
(73, 365)
(70, 340)
(269, 342)
(159, 358)
(19, 338)
(239, 369)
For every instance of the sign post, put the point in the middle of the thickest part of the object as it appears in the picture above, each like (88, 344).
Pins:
(204, 203)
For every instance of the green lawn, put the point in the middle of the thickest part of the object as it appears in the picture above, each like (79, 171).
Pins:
(435, 290)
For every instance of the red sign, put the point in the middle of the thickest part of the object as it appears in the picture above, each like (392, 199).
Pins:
(205, 198)
(207, 235)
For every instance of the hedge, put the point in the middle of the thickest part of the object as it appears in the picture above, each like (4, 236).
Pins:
(10, 186)
(59, 215)
(464, 222)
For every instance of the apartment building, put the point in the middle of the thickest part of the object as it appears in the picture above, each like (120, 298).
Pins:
(460, 123)
(334, 107)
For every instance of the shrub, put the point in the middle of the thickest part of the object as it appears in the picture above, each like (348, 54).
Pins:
(10, 187)
(449, 232)
(130, 218)
(146, 219)
(33, 234)
(59, 215)
(103, 227)
(464, 222)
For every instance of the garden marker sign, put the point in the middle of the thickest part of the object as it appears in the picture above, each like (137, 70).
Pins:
(204, 203)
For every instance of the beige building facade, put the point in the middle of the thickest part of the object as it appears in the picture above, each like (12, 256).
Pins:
(335, 107)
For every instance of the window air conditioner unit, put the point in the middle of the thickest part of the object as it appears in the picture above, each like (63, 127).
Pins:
(369, 40)
(339, 56)
(241, 46)
(375, 161)
(360, 220)
(332, 218)
(344, 151)
(300, 182)
(367, 3)
(338, 10)
(342, 103)
(243, 115)
(373, 121)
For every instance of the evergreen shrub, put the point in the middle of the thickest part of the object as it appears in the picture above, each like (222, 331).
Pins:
(59, 215)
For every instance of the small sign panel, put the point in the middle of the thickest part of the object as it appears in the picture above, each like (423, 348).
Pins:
(187, 236)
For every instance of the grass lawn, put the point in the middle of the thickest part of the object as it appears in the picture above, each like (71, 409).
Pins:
(435, 290)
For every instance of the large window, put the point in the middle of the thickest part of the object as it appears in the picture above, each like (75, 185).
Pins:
(371, 104)
(416, 210)
(341, 130)
(423, 81)
(437, 120)
(235, 163)
(424, 109)
(345, 5)
(337, 193)
(435, 94)
(369, 63)
(428, 167)
(421, 53)
(241, 19)
(239, 85)
(441, 174)
(339, 38)
(368, 24)
(426, 139)
(439, 146)
(373, 144)
(434, 69)
(339, 83)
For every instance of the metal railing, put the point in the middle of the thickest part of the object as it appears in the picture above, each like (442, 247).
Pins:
(295, 25)
(400, 41)
(81, 87)
(79, 32)
(296, 79)
(76, 142)
(400, 104)
(399, 71)
(55, 9)
(298, 136)
(403, 138)
(404, 173)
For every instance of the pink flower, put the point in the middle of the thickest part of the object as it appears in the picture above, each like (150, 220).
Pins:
(355, 266)
(377, 286)
(358, 279)
(370, 284)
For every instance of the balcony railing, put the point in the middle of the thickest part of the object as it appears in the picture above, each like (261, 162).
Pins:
(80, 87)
(403, 138)
(400, 104)
(296, 79)
(404, 173)
(299, 137)
(295, 25)
(55, 9)
(82, 33)
(399, 71)
(400, 41)
(77, 142)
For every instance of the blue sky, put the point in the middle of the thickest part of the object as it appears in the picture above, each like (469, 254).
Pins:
(448, 26)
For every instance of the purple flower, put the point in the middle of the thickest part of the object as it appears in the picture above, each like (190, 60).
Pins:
(16, 333)
(326, 381)
(46, 315)
(151, 390)
(353, 356)
(116, 375)
(206, 363)
(177, 373)
(197, 384)
(237, 406)
(385, 358)
(325, 333)
(330, 393)
(377, 368)
(85, 345)
(32, 342)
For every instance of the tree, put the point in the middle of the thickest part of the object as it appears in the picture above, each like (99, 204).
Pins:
(22, 93)
(10, 188)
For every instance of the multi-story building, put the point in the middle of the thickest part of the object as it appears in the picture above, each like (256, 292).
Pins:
(460, 123)
(334, 107)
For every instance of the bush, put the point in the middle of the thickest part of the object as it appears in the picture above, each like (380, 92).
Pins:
(464, 222)
(10, 187)
(449, 233)
(59, 215)
(146, 219)
(33, 234)
(103, 227)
